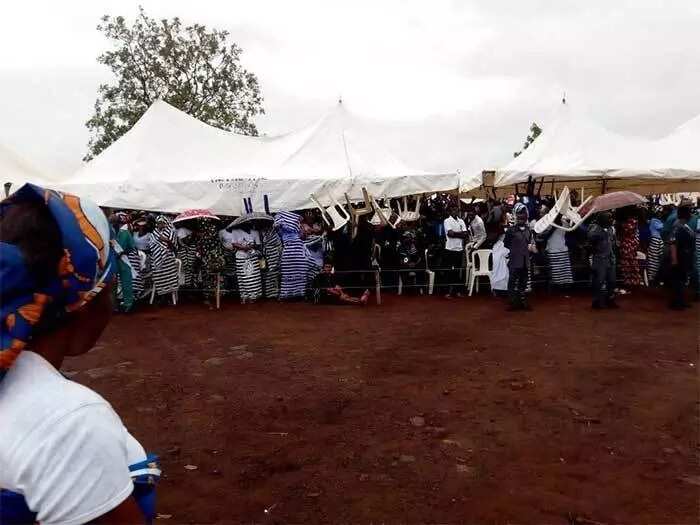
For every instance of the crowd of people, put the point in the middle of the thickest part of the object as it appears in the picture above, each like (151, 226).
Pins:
(66, 455)
(296, 255)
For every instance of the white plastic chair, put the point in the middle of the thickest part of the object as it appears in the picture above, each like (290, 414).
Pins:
(481, 265)
(383, 215)
(365, 209)
(431, 275)
(564, 208)
(561, 206)
(357, 211)
(641, 256)
(334, 215)
(574, 217)
(406, 214)
(668, 199)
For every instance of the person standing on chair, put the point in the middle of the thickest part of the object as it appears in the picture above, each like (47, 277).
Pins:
(520, 240)
(603, 241)
(682, 246)
(455, 235)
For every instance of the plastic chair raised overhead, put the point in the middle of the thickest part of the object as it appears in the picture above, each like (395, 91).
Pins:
(334, 215)
(564, 208)
(406, 214)
(668, 199)
(365, 209)
(384, 216)
(357, 211)
(481, 265)
(574, 217)
(561, 206)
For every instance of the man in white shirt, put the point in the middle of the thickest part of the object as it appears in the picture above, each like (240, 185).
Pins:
(243, 240)
(453, 256)
(477, 229)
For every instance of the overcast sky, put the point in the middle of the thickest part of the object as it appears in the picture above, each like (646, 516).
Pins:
(458, 82)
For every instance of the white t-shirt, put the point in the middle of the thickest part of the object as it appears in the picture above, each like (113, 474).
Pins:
(477, 231)
(183, 233)
(143, 242)
(226, 238)
(454, 244)
(62, 446)
(238, 236)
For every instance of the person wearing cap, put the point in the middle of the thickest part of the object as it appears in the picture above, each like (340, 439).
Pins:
(520, 241)
(601, 236)
(65, 456)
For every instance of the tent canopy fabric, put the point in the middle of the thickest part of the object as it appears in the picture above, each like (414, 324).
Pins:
(16, 170)
(679, 152)
(170, 161)
(573, 147)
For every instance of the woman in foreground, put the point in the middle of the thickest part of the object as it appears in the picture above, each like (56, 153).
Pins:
(65, 456)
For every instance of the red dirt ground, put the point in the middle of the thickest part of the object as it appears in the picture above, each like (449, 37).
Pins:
(561, 415)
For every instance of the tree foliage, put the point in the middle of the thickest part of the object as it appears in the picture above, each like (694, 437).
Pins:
(191, 67)
(535, 132)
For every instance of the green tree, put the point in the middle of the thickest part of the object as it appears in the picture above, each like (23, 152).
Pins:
(191, 67)
(535, 131)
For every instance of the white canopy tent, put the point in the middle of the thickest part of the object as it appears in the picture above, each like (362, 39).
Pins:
(15, 170)
(576, 151)
(169, 161)
(678, 154)
(469, 182)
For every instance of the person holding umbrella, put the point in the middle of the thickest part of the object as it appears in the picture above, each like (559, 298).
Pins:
(244, 238)
(200, 229)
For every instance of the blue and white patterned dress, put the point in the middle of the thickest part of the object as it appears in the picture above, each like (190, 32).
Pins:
(295, 256)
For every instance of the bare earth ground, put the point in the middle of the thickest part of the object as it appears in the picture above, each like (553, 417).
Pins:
(554, 416)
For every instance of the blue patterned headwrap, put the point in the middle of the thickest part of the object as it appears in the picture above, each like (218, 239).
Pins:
(520, 208)
(84, 270)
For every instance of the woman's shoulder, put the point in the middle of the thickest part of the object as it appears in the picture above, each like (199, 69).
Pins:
(35, 395)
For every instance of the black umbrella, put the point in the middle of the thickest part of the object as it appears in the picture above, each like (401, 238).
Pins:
(255, 216)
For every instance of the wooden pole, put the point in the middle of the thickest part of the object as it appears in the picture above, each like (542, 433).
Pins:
(378, 286)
